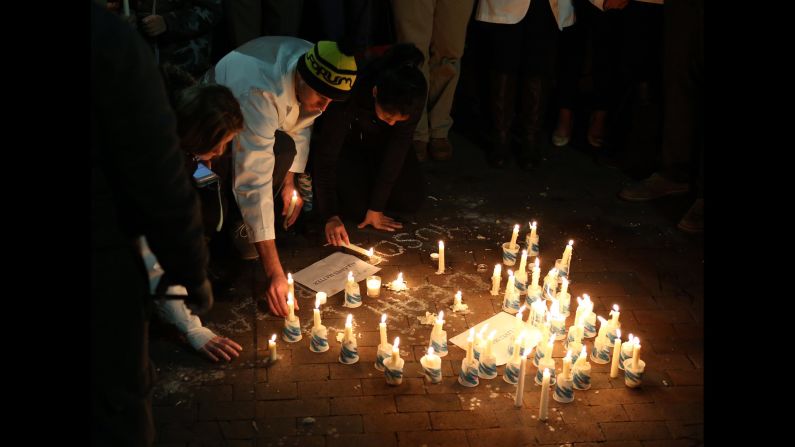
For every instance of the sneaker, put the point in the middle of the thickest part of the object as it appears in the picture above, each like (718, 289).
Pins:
(244, 247)
(693, 221)
(421, 149)
(440, 149)
(654, 187)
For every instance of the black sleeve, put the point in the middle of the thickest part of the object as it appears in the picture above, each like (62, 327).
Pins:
(144, 170)
(398, 144)
(329, 133)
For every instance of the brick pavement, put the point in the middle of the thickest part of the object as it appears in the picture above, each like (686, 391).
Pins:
(625, 253)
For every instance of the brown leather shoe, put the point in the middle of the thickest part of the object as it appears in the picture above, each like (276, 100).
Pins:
(421, 149)
(440, 149)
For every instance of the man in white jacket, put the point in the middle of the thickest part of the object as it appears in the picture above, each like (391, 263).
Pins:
(282, 84)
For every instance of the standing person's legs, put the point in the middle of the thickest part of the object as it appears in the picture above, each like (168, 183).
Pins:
(414, 23)
(121, 373)
(450, 21)
(573, 42)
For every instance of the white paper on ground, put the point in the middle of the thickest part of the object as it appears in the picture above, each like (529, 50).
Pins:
(330, 274)
(505, 325)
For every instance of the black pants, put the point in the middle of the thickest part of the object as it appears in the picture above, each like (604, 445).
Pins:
(358, 167)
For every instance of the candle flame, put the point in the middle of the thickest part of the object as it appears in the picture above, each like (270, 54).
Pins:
(430, 351)
(440, 318)
(516, 228)
(551, 340)
(441, 245)
(273, 338)
(546, 373)
(396, 344)
(538, 262)
(582, 353)
(290, 299)
(601, 320)
(524, 253)
(533, 225)
(571, 242)
(615, 307)
(317, 303)
(458, 295)
(383, 318)
(349, 320)
(482, 330)
(400, 277)
(630, 339)
(350, 276)
(471, 335)
(637, 341)
(492, 334)
(568, 355)
(289, 278)
(586, 297)
(295, 194)
(371, 251)
(618, 334)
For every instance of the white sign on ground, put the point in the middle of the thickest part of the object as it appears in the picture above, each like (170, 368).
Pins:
(330, 274)
(505, 325)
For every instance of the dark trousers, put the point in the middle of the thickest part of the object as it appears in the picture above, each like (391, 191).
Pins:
(122, 375)
(683, 76)
(358, 167)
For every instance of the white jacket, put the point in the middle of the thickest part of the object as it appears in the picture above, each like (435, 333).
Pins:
(261, 75)
(512, 11)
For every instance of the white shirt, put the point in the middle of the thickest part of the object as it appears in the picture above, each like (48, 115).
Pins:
(512, 11)
(261, 75)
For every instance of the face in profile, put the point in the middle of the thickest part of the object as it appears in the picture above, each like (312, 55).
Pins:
(311, 101)
(218, 150)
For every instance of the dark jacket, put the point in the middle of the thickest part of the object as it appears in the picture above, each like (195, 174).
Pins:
(355, 125)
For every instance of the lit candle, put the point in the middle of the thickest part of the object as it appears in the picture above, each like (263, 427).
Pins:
(519, 322)
(533, 234)
(480, 342)
(290, 306)
(373, 286)
(550, 345)
(495, 279)
(457, 302)
(441, 258)
(471, 346)
(291, 208)
(514, 236)
(321, 297)
(398, 284)
(272, 349)
(565, 259)
(317, 313)
(614, 314)
(432, 364)
(489, 342)
(635, 354)
(517, 401)
(523, 262)
(583, 356)
(370, 254)
(509, 288)
(543, 411)
(382, 329)
(616, 355)
(395, 351)
(536, 273)
(602, 327)
(437, 327)
(348, 328)
(566, 365)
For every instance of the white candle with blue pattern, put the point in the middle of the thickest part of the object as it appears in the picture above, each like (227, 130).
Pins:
(532, 240)
(487, 369)
(393, 366)
(469, 365)
(613, 326)
(353, 293)
(509, 254)
(432, 366)
(384, 348)
(547, 363)
(581, 372)
(557, 321)
(633, 373)
(626, 351)
(480, 342)
(349, 352)
(565, 261)
(551, 284)
(291, 332)
(496, 277)
(564, 298)
(439, 336)
(510, 302)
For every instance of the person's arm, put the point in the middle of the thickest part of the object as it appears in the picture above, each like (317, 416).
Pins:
(331, 129)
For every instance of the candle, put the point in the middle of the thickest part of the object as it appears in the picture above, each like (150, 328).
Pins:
(533, 230)
(470, 346)
(457, 302)
(398, 284)
(272, 348)
(395, 351)
(536, 273)
(495, 279)
(543, 411)
(320, 297)
(517, 402)
(602, 327)
(565, 259)
(357, 249)
(441, 258)
(290, 306)
(517, 347)
(564, 288)
(509, 287)
(126, 8)
(489, 342)
(635, 354)
(292, 205)
(317, 313)
(523, 262)
(431, 365)
(437, 327)
(348, 328)
(566, 365)
(290, 284)
(581, 359)
(370, 254)
(614, 316)
(514, 236)
(382, 329)
(373, 286)
(616, 355)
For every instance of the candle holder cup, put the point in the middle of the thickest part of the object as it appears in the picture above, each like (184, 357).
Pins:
(508, 254)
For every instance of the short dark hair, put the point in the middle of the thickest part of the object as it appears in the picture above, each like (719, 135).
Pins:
(401, 85)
